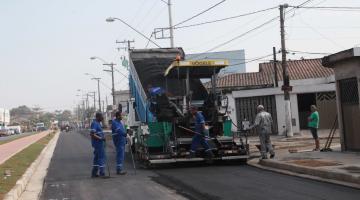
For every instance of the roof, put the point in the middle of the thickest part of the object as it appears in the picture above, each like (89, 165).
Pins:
(333, 59)
(298, 69)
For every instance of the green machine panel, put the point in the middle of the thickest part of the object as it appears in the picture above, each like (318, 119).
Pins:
(159, 133)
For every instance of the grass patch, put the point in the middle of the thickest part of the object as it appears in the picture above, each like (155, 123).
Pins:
(15, 167)
(15, 138)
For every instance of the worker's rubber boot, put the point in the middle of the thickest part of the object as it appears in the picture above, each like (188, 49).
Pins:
(120, 172)
(94, 172)
(191, 155)
(272, 155)
(209, 156)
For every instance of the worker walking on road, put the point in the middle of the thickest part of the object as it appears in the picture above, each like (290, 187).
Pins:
(119, 139)
(313, 124)
(199, 137)
(98, 142)
(263, 123)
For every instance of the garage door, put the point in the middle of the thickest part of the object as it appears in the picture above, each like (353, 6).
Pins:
(246, 109)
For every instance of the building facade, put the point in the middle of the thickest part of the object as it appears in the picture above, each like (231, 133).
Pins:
(122, 97)
(313, 84)
(236, 60)
(346, 65)
(4, 117)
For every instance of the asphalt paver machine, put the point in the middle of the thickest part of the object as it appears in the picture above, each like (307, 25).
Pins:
(163, 86)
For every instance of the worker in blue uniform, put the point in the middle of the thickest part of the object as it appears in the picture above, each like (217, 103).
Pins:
(98, 142)
(119, 139)
(199, 137)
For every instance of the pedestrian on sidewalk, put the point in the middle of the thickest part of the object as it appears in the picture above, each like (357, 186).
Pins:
(263, 124)
(119, 139)
(313, 124)
(98, 142)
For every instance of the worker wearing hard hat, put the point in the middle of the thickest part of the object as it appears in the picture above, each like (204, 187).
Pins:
(98, 142)
(263, 123)
(199, 137)
(119, 139)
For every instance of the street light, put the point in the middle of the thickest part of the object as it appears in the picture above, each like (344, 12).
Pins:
(112, 19)
(112, 74)
(98, 85)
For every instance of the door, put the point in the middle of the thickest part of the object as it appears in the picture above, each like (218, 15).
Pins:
(246, 109)
(349, 97)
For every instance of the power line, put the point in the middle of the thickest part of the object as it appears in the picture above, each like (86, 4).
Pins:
(306, 52)
(202, 12)
(126, 76)
(322, 35)
(148, 42)
(111, 19)
(326, 7)
(227, 18)
(253, 60)
(253, 29)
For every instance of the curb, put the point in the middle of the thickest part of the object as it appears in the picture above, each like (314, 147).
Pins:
(308, 173)
(21, 184)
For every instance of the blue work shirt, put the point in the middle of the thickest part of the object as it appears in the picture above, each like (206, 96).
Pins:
(96, 129)
(117, 128)
(199, 122)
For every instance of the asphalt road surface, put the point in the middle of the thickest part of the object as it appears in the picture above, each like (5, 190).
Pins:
(69, 178)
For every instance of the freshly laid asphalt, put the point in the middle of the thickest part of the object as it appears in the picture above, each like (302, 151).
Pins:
(69, 178)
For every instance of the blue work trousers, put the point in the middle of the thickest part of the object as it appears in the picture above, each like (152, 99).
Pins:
(199, 139)
(99, 157)
(119, 143)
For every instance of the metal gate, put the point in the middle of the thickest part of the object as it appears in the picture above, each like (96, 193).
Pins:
(349, 97)
(246, 109)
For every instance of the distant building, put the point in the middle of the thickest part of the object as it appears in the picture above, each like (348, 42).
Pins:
(236, 60)
(122, 97)
(4, 117)
(312, 84)
(346, 65)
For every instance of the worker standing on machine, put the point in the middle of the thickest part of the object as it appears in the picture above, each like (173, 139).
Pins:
(98, 142)
(199, 137)
(119, 139)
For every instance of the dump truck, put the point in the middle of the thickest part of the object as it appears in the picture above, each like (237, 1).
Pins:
(164, 125)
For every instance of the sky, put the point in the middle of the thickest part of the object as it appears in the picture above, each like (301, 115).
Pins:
(45, 45)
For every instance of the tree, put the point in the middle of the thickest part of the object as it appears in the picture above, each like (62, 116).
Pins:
(21, 111)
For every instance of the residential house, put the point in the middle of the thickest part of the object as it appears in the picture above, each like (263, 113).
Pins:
(312, 84)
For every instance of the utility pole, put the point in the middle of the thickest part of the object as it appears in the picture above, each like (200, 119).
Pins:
(128, 42)
(112, 79)
(87, 102)
(93, 94)
(275, 68)
(286, 83)
(171, 25)
(98, 84)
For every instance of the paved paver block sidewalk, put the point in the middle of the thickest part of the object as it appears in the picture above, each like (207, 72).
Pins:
(9, 149)
(334, 166)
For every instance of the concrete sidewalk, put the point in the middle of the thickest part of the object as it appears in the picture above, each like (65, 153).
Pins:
(300, 141)
(11, 148)
(336, 167)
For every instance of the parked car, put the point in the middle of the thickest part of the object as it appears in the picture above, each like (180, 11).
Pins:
(3, 131)
(40, 127)
(15, 129)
